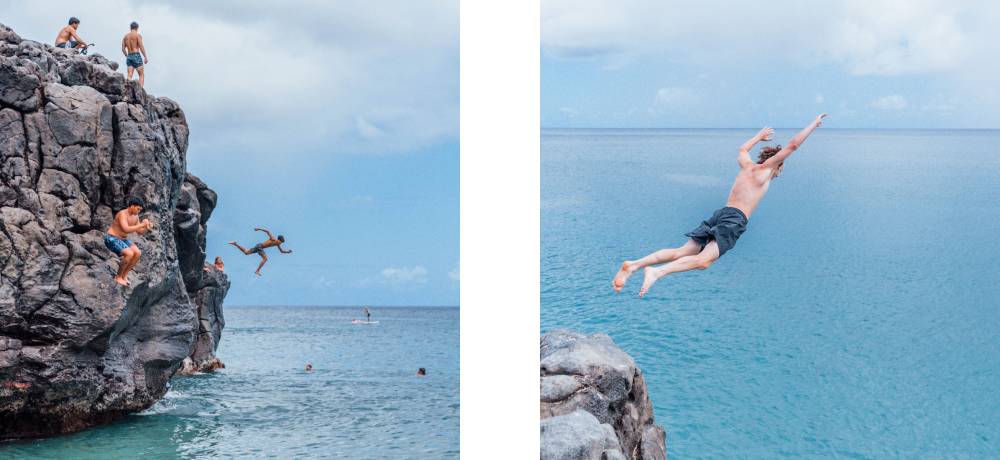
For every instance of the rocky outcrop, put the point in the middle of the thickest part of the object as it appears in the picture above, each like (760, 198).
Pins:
(76, 141)
(594, 403)
(206, 288)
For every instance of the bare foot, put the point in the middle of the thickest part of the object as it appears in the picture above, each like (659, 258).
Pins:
(233, 242)
(121, 281)
(256, 273)
(649, 278)
(619, 282)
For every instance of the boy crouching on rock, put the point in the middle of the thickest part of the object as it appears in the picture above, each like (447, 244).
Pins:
(126, 221)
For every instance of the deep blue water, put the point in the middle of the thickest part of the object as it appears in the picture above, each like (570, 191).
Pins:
(858, 316)
(363, 400)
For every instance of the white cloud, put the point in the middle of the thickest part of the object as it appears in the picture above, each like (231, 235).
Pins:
(259, 76)
(819, 98)
(952, 42)
(404, 275)
(675, 96)
(454, 274)
(890, 102)
(881, 37)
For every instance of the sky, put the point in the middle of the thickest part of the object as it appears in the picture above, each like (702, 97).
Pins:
(721, 64)
(332, 123)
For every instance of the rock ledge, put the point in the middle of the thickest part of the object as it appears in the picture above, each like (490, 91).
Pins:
(594, 403)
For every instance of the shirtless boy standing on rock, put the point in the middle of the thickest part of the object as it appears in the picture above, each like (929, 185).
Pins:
(719, 233)
(131, 47)
(126, 221)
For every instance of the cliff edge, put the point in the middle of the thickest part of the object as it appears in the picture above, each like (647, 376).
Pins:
(76, 141)
(594, 403)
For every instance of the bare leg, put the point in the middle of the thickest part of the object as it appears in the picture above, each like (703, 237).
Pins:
(123, 263)
(136, 255)
(701, 261)
(263, 260)
(130, 71)
(663, 255)
(142, 77)
(240, 247)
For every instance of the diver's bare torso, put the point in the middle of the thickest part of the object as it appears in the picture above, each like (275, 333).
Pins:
(116, 228)
(749, 188)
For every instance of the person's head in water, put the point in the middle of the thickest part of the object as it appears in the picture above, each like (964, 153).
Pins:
(74, 22)
(135, 205)
(134, 25)
(309, 367)
(768, 152)
(281, 238)
(421, 372)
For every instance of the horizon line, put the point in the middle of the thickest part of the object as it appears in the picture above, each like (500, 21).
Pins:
(344, 306)
(825, 128)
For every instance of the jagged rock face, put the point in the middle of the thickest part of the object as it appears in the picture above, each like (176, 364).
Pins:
(76, 141)
(589, 388)
(207, 289)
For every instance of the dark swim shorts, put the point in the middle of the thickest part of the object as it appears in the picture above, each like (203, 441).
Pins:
(725, 227)
(258, 249)
(133, 60)
(67, 44)
(115, 244)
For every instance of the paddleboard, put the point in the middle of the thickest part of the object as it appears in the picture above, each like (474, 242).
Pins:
(358, 321)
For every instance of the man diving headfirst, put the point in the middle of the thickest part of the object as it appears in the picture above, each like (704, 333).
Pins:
(719, 233)
(259, 248)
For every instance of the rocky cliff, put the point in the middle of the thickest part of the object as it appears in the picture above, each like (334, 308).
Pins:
(206, 289)
(76, 141)
(594, 403)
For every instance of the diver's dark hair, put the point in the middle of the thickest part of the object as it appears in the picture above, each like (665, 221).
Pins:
(767, 152)
(421, 371)
(73, 20)
(281, 238)
(136, 201)
(134, 25)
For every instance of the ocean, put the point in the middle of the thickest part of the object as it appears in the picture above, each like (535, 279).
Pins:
(363, 399)
(857, 317)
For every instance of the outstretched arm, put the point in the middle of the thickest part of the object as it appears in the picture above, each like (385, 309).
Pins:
(124, 51)
(269, 235)
(744, 156)
(795, 143)
(283, 251)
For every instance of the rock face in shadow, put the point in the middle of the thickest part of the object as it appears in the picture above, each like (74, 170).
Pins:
(76, 141)
(594, 403)
(206, 288)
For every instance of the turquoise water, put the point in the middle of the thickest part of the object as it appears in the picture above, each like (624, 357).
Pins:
(363, 400)
(857, 317)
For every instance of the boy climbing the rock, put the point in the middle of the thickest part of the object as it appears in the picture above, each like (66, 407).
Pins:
(259, 247)
(131, 48)
(126, 221)
(67, 37)
(719, 233)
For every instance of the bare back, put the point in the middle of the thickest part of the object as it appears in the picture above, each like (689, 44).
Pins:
(116, 228)
(132, 42)
(749, 188)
